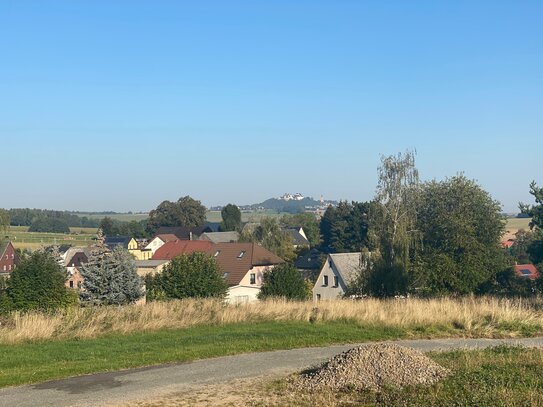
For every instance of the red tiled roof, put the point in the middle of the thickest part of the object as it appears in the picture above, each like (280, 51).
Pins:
(231, 260)
(178, 247)
(527, 271)
(508, 243)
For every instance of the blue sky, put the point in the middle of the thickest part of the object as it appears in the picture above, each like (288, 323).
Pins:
(119, 105)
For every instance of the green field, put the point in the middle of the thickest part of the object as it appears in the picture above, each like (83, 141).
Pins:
(39, 361)
(514, 224)
(253, 216)
(23, 239)
(122, 217)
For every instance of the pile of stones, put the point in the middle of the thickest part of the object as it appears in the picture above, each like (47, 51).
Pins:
(371, 367)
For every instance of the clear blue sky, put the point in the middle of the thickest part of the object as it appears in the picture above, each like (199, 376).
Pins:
(118, 105)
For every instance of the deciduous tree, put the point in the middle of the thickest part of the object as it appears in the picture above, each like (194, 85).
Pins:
(185, 212)
(271, 237)
(308, 222)
(461, 226)
(397, 192)
(4, 222)
(231, 218)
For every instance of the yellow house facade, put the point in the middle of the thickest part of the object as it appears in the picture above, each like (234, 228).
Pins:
(137, 252)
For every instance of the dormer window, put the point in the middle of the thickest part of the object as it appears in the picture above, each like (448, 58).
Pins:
(241, 254)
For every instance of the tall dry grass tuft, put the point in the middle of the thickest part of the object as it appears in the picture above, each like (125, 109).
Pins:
(470, 316)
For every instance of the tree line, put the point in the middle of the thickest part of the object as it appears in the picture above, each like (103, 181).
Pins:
(27, 216)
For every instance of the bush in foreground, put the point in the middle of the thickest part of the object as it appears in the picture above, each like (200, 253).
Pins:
(284, 281)
(188, 276)
(38, 283)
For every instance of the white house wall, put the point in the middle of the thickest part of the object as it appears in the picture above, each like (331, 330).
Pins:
(155, 244)
(242, 294)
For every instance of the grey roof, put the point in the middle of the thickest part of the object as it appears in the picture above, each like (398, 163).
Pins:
(3, 247)
(149, 263)
(183, 233)
(221, 237)
(297, 238)
(311, 260)
(114, 241)
(347, 265)
(72, 251)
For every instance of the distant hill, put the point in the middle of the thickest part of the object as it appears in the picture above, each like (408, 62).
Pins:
(290, 206)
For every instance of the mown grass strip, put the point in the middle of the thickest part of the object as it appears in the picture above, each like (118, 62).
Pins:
(33, 362)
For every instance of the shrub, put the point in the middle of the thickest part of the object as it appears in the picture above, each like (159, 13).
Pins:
(196, 275)
(284, 280)
(38, 283)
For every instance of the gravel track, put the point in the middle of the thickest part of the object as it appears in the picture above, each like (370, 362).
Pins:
(138, 384)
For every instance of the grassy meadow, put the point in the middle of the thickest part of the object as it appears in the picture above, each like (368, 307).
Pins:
(252, 216)
(513, 225)
(23, 239)
(36, 347)
(122, 217)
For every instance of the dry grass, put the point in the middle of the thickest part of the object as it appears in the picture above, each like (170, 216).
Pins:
(482, 317)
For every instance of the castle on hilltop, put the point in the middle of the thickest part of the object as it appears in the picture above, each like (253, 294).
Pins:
(292, 197)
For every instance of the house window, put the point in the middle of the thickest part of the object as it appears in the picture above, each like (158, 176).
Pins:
(330, 262)
(71, 284)
(9, 267)
(325, 280)
(79, 284)
(336, 281)
(318, 297)
(217, 253)
(4, 267)
(253, 278)
(241, 255)
(225, 275)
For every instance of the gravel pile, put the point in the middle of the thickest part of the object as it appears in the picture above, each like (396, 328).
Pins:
(372, 367)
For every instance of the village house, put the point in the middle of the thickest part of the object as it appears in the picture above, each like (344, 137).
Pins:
(137, 248)
(178, 247)
(220, 237)
(526, 271)
(150, 267)
(113, 242)
(243, 266)
(337, 273)
(72, 259)
(298, 236)
(309, 263)
(184, 233)
(158, 241)
(8, 258)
